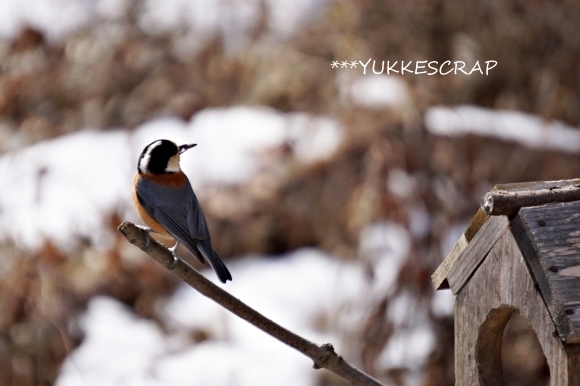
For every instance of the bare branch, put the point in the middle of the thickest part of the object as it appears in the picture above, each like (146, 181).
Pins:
(508, 202)
(323, 356)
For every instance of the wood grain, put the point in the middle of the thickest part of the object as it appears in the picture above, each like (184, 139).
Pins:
(535, 185)
(501, 285)
(476, 251)
(439, 277)
(549, 237)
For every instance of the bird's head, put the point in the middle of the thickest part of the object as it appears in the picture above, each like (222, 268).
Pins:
(161, 157)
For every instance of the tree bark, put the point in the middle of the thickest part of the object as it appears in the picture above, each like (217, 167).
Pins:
(506, 202)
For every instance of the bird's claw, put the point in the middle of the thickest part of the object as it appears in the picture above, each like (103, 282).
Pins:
(173, 263)
(175, 258)
(147, 239)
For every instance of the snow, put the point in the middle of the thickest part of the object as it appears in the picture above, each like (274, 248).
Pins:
(231, 155)
(121, 349)
(112, 9)
(419, 221)
(229, 18)
(443, 303)
(408, 348)
(385, 245)
(400, 183)
(224, 364)
(56, 18)
(61, 189)
(64, 188)
(525, 129)
(453, 234)
(318, 274)
(314, 139)
(372, 90)
(234, 20)
(115, 340)
(313, 294)
(328, 288)
(289, 16)
(414, 339)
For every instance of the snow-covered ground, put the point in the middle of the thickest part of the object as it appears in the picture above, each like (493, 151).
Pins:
(331, 300)
(64, 188)
(526, 129)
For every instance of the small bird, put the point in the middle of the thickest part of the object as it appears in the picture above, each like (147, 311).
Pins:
(165, 201)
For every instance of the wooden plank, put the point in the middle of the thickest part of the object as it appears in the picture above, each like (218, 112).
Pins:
(476, 251)
(557, 238)
(439, 277)
(502, 285)
(575, 323)
(548, 236)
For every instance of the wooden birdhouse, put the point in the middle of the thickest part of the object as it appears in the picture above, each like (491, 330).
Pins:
(520, 253)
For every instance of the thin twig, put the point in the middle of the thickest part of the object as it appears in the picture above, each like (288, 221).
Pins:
(323, 356)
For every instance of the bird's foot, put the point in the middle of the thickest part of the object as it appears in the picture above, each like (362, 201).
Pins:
(147, 240)
(175, 258)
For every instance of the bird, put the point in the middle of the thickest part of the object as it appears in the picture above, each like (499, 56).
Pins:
(165, 202)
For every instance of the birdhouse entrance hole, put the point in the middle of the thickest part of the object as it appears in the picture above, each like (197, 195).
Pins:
(508, 352)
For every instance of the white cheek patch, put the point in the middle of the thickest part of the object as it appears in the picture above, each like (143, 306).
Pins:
(143, 163)
(173, 164)
(145, 160)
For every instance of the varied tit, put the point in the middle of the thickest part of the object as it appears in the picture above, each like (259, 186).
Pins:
(166, 203)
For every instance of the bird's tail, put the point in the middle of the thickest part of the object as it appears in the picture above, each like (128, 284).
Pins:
(214, 260)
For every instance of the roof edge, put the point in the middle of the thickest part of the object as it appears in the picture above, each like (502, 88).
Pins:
(439, 277)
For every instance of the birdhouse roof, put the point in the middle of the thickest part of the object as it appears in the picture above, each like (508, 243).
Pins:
(544, 219)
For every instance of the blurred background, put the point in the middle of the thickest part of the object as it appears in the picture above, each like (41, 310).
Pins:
(331, 194)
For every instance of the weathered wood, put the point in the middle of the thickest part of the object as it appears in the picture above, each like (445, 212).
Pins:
(488, 345)
(549, 237)
(476, 251)
(501, 285)
(439, 277)
(508, 202)
(535, 185)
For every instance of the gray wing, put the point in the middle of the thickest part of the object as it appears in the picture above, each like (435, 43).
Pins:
(198, 226)
(177, 210)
